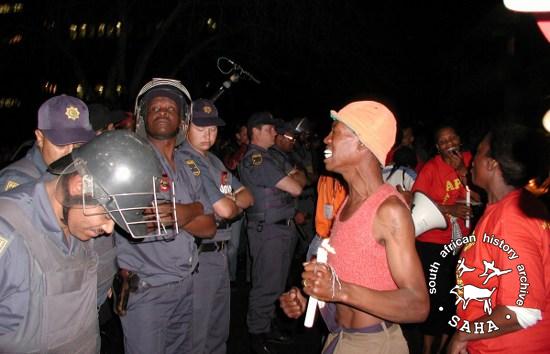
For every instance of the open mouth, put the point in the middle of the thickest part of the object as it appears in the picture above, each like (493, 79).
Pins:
(328, 153)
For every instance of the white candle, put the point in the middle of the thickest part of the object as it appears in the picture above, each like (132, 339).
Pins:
(322, 256)
(468, 204)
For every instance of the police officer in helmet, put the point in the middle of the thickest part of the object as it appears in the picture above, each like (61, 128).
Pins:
(159, 310)
(48, 270)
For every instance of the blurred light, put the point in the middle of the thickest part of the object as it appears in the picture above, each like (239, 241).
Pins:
(99, 89)
(72, 31)
(80, 91)
(546, 121)
(119, 89)
(9, 102)
(15, 39)
(101, 30)
(5, 9)
(118, 28)
(528, 5)
(83, 30)
(212, 25)
(49, 87)
(17, 7)
(110, 30)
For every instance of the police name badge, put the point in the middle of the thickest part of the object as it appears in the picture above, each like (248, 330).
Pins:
(257, 159)
(4, 242)
(193, 166)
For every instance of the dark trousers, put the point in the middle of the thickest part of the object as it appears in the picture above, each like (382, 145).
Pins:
(271, 254)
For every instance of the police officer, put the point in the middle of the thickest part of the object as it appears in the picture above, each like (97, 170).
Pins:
(159, 311)
(211, 300)
(47, 267)
(270, 228)
(63, 124)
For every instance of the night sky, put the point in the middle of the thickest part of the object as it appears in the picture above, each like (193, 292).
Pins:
(472, 62)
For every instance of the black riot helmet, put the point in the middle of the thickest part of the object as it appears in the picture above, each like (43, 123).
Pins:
(159, 87)
(119, 171)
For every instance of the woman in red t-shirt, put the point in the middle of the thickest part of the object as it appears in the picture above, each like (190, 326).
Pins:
(510, 258)
(443, 179)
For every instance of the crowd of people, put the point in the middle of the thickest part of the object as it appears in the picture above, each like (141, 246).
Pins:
(141, 217)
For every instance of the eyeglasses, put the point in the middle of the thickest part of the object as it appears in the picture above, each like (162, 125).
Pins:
(290, 138)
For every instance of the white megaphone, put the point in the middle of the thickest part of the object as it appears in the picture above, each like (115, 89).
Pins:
(426, 215)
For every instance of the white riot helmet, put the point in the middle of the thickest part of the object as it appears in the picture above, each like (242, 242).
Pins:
(159, 87)
(120, 172)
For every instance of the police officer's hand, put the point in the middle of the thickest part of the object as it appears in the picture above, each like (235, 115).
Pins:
(293, 303)
(165, 216)
(320, 281)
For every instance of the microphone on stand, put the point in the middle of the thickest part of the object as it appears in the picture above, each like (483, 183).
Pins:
(236, 72)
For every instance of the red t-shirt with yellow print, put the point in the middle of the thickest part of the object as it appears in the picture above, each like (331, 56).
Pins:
(439, 181)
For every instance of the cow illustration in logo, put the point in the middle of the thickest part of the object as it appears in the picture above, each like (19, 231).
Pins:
(466, 293)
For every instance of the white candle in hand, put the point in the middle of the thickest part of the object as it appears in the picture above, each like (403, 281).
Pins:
(322, 256)
(468, 204)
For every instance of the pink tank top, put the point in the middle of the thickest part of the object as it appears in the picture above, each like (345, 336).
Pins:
(358, 258)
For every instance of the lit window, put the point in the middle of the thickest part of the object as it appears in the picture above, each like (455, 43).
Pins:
(17, 7)
(99, 89)
(118, 28)
(119, 89)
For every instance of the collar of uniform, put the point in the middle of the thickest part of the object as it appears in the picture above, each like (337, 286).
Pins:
(36, 157)
(256, 147)
(45, 219)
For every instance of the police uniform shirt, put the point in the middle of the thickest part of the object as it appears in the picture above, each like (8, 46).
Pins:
(12, 175)
(260, 168)
(260, 171)
(284, 159)
(14, 256)
(217, 180)
(162, 260)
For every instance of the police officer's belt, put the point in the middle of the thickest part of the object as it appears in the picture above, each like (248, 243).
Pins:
(223, 224)
(284, 222)
(212, 246)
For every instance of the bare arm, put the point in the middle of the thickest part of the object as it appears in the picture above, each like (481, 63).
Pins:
(289, 185)
(243, 198)
(203, 226)
(460, 339)
(409, 303)
(299, 176)
(226, 208)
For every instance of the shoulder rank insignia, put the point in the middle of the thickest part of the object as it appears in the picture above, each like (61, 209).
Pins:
(10, 185)
(257, 159)
(193, 166)
(4, 242)
(72, 113)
